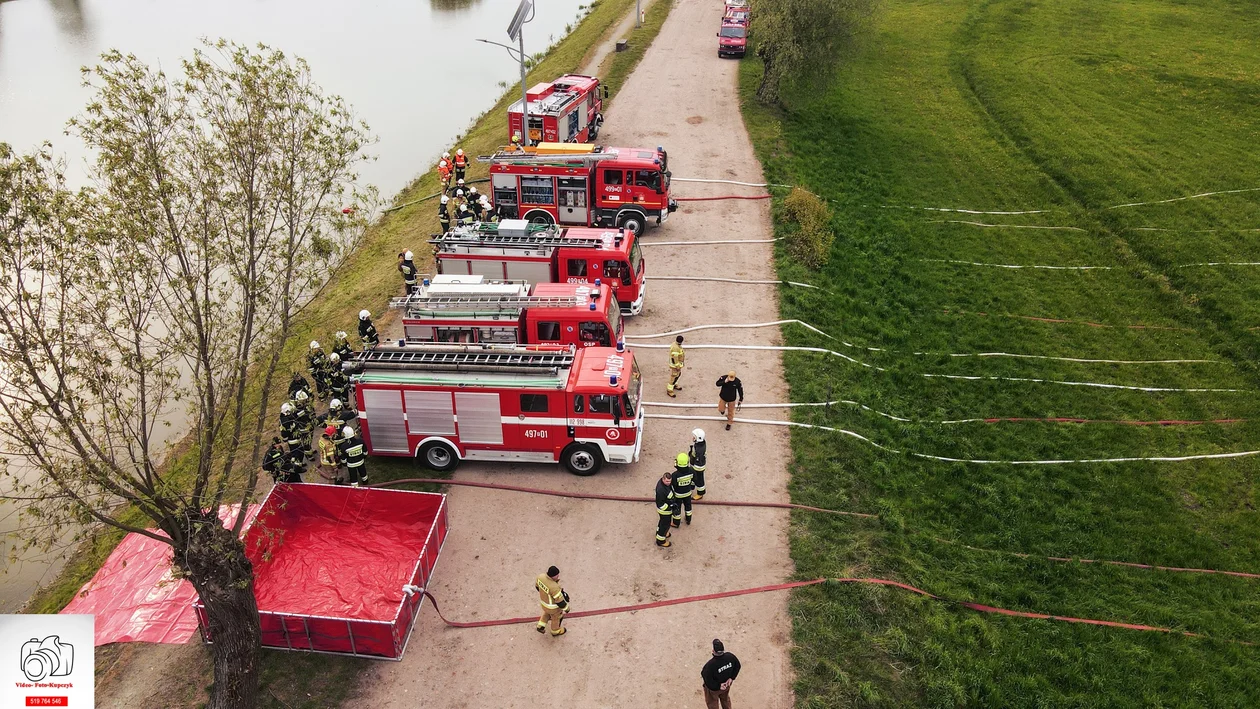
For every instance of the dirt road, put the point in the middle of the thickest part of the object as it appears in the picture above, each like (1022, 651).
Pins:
(683, 97)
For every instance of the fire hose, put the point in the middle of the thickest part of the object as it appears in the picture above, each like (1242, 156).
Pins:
(979, 607)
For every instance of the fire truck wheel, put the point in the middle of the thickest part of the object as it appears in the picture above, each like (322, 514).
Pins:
(538, 216)
(633, 221)
(438, 456)
(582, 459)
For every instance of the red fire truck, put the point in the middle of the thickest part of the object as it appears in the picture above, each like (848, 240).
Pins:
(531, 404)
(469, 310)
(515, 250)
(582, 185)
(567, 110)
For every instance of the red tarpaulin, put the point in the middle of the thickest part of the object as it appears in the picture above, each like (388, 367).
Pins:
(135, 598)
(330, 564)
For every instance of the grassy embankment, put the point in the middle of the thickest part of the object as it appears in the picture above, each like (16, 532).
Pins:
(1067, 107)
(368, 280)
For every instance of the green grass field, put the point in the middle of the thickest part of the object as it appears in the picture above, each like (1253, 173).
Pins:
(1070, 108)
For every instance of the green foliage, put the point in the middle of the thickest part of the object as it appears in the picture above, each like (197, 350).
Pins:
(798, 40)
(810, 241)
(1069, 108)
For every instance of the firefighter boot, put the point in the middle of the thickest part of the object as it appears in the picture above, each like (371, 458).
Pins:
(541, 627)
(675, 523)
(559, 632)
(665, 543)
(688, 519)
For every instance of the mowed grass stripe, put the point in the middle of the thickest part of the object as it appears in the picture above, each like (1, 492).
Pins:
(1070, 107)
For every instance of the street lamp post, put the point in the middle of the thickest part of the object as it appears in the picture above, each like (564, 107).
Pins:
(515, 32)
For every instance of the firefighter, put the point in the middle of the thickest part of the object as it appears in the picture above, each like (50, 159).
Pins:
(354, 454)
(717, 675)
(461, 164)
(677, 359)
(298, 383)
(407, 267)
(444, 217)
(697, 455)
(664, 508)
(465, 215)
(329, 466)
(460, 191)
(554, 602)
(293, 466)
(683, 488)
(341, 345)
(290, 429)
(516, 143)
(491, 213)
(317, 365)
(367, 331)
(475, 205)
(304, 412)
(728, 388)
(339, 415)
(444, 171)
(273, 458)
(338, 382)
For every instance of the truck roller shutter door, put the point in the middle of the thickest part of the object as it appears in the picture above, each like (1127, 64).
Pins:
(532, 271)
(430, 413)
(479, 418)
(386, 427)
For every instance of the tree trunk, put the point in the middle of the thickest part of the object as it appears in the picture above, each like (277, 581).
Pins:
(215, 562)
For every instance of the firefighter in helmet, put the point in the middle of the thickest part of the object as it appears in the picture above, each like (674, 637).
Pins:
(407, 267)
(341, 345)
(298, 383)
(273, 459)
(516, 142)
(460, 190)
(329, 465)
(554, 602)
(444, 171)
(367, 331)
(466, 217)
(353, 452)
(683, 488)
(491, 213)
(338, 382)
(444, 217)
(317, 365)
(697, 455)
(290, 426)
(474, 203)
(461, 164)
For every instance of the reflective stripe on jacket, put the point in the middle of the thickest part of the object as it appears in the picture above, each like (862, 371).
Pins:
(676, 356)
(549, 592)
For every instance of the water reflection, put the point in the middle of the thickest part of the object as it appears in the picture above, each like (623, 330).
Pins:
(452, 5)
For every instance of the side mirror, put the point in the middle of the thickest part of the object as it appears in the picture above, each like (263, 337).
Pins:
(717, 34)
(605, 90)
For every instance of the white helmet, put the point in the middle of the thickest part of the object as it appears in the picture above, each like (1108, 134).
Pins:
(286, 408)
(446, 155)
(460, 182)
(485, 203)
(445, 199)
(460, 151)
(364, 315)
(334, 358)
(314, 345)
(408, 256)
(697, 434)
(334, 404)
(341, 335)
(463, 207)
(300, 395)
(347, 432)
(472, 190)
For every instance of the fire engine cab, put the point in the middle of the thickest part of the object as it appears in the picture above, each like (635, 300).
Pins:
(468, 309)
(582, 185)
(515, 250)
(532, 404)
(567, 110)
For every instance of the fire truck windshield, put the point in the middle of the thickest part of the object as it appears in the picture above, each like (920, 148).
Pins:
(614, 316)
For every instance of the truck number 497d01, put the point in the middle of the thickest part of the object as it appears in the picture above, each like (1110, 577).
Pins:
(532, 433)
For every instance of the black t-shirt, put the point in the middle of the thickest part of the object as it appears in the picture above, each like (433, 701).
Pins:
(730, 389)
(720, 671)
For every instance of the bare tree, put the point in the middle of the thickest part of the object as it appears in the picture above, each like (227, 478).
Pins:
(222, 201)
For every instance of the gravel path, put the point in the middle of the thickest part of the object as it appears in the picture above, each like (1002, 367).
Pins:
(683, 97)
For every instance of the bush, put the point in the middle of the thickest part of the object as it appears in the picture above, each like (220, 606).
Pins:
(811, 240)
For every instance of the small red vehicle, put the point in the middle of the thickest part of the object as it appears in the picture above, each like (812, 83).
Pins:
(470, 310)
(582, 185)
(732, 40)
(514, 250)
(567, 110)
(525, 404)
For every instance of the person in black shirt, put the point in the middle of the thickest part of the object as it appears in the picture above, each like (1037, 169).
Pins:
(729, 389)
(718, 675)
(664, 508)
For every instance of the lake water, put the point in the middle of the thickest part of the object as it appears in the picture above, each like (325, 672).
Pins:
(412, 70)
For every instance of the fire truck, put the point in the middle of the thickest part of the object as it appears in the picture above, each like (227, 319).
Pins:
(469, 310)
(528, 404)
(567, 110)
(515, 250)
(582, 185)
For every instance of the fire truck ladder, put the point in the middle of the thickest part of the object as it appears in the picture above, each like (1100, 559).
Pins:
(472, 358)
(517, 157)
(491, 237)
(418, 305)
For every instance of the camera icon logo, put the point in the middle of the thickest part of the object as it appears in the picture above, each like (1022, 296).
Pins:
(47, 658)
